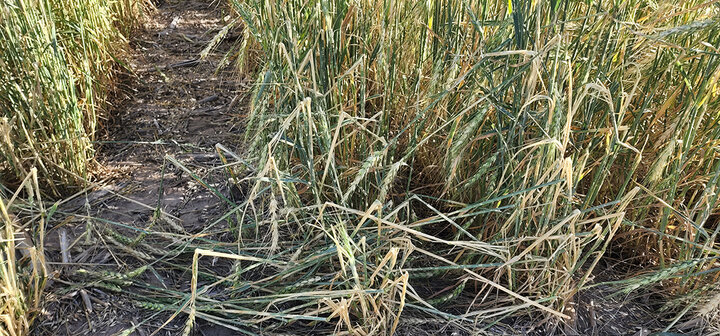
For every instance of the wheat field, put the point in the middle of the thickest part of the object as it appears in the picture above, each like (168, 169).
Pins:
(456, 163)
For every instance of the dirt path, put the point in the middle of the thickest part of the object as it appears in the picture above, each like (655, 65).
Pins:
(178, 105)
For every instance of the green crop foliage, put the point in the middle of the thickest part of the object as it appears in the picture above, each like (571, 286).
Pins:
(57, 65)
(504, 146)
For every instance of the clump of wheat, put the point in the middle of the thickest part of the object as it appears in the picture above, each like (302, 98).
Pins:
(57, 65)
(512, 144)
(22, 261)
